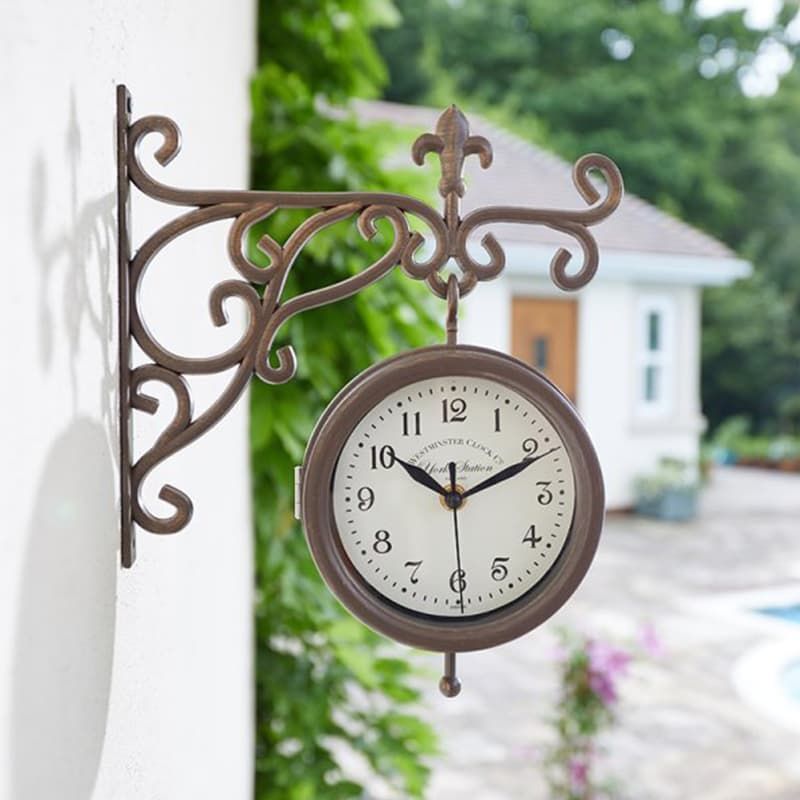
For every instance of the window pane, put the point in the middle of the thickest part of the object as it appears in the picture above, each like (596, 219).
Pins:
(653, 331)
(652, 384)
(540, 352)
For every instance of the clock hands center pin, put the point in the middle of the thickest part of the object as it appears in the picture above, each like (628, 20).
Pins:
(508, 472)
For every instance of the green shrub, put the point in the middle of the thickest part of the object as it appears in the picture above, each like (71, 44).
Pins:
(323, 681)
(733, 437)
(789, 413)
(731, 431)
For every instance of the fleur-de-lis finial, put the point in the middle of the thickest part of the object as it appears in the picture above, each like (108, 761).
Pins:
(452, 143)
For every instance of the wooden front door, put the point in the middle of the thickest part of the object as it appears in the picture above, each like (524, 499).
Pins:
(544, 334)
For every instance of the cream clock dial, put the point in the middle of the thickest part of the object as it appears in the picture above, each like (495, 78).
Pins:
(451, 498)
(492, 542)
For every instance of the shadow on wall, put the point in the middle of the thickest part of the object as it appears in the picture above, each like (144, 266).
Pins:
(64, 644)
(75, 265)
(65, 630)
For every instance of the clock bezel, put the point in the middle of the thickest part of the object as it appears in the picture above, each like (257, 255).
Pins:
(448, 634)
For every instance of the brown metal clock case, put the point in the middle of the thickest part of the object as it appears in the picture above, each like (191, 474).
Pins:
(316, 501)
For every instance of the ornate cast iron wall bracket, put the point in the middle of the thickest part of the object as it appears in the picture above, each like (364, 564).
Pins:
(421, 256)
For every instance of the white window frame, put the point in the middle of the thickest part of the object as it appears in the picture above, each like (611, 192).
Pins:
(662, 359)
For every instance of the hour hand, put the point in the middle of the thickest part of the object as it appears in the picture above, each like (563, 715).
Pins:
(421, 476)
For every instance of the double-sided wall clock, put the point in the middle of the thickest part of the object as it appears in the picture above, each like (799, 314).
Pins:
(451, 496)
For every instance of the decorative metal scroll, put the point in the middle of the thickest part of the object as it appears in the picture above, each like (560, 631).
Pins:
(421, 256)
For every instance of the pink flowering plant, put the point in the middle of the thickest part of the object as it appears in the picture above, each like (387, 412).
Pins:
(590, 672)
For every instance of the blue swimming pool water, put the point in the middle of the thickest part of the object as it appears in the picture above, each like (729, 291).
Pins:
(787, 613)
(791, 680)
(790, 676)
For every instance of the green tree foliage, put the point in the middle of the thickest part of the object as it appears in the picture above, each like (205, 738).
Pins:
(324, 682)
(746, 338)
(659, 88)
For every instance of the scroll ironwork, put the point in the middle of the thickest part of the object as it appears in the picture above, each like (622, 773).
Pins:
(259, 290)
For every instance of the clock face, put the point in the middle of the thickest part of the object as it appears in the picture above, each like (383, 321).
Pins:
(453, 548)
(451, 498)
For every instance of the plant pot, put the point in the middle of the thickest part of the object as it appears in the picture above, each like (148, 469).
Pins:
(672, 505)
(725, 456)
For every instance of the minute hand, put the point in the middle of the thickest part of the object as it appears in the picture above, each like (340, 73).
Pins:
(508, 472)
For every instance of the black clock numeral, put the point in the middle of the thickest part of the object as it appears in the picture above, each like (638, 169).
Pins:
(383, 456)
(382, 545)
(497, 420)
(366, 498)
(412, 422)
(454, 410)
(499, 568)
(530, 446)
(415, 565)
(545, 497)
(458, 581)
(531, 538)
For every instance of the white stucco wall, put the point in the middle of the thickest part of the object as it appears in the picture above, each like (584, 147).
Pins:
(608, 335)
(115, 684)
(485, 316)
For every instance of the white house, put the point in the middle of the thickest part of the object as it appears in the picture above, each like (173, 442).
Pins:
(626, 348)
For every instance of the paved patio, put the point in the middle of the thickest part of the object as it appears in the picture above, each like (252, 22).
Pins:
(685, 733)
